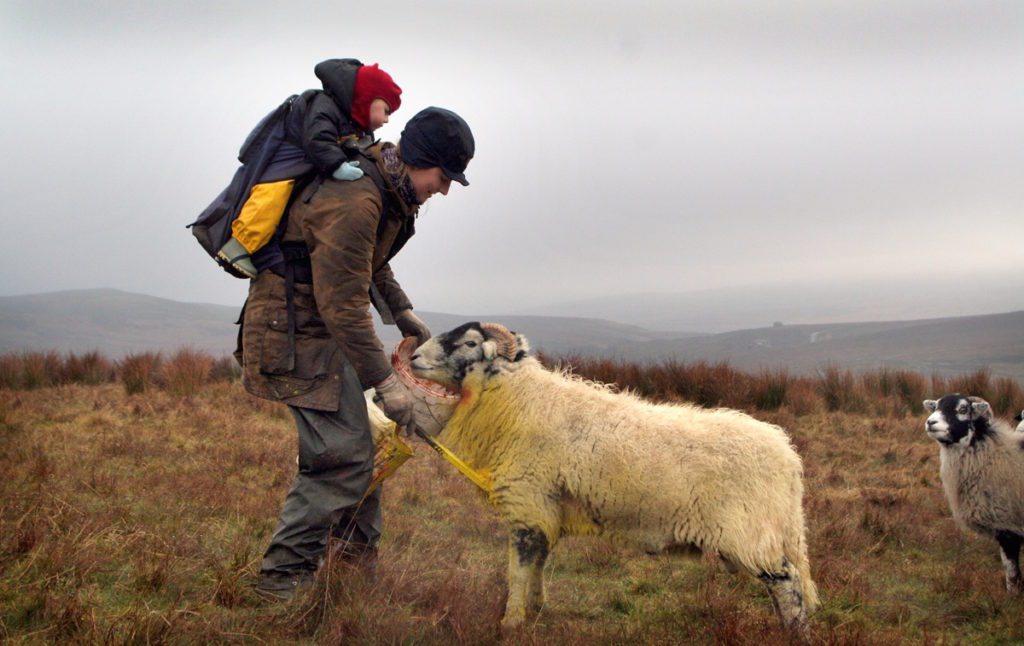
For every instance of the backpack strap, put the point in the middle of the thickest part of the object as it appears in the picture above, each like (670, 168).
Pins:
(241, 327)
(289, 299)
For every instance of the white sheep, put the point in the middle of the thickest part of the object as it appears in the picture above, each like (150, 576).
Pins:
(981, 462)
(572, 457)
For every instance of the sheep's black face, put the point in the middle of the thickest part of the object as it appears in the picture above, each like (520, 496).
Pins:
(956, 419)
(445, 358)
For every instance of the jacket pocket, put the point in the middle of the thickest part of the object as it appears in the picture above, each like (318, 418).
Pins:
(277, 356)
(309, 357)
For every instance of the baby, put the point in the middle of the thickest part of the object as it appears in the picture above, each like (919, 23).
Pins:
(356, 100)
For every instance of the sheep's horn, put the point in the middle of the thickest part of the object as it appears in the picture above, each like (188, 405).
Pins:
(508, 347)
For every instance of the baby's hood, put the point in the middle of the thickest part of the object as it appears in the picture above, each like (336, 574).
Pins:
(339, 79)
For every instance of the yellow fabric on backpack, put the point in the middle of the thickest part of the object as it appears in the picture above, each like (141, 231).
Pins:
(261, 213)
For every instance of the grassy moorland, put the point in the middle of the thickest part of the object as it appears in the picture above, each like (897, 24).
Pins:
(137, 498)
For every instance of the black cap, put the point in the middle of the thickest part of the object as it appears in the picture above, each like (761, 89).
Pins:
(438, 137)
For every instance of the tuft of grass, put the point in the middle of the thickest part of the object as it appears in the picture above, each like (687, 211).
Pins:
(39, 370)
(225, 369)
(187, 371)
(769, 390)
(839, 390)
(90, 368)
(1006, 396)
(139, 371)
(977, 383)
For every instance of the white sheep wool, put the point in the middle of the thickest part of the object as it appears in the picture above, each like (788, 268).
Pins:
(435, 404)
(571, 457)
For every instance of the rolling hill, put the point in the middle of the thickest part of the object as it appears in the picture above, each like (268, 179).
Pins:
(117, 323)
(947, 345)
(724, 309)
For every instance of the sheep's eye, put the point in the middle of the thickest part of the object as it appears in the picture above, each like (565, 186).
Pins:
(470, 344)
(962, 410)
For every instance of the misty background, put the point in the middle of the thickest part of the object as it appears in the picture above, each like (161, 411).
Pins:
(680, 165)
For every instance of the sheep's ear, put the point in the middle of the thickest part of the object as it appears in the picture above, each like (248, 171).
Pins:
(490, 349)
(981, 408)
(930, 405)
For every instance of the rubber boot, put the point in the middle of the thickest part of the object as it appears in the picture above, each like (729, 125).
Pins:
(236, 255)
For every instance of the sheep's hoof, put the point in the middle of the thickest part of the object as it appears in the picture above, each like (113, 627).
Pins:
(511, 623)
(535, 604)
(800, 637)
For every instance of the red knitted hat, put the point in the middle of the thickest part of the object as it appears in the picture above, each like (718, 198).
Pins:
(373, 83)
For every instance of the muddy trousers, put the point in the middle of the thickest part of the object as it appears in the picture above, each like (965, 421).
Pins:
(335, 468)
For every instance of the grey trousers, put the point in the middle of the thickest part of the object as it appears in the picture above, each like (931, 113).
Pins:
(335, 468)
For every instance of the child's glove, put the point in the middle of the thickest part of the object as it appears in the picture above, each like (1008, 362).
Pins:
(348, 172)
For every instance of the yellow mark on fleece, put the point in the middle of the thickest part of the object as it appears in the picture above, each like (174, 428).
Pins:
(576, 521)
(480, 478)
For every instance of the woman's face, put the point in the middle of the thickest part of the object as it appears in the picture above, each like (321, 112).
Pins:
(379, 113)
(427, 181)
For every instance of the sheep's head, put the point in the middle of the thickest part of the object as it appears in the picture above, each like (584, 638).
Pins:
(956, 419)
(447, 358)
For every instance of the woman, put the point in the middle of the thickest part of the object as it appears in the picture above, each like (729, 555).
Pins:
(308, 338)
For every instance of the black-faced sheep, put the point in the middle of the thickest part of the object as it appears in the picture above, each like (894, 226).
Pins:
(982, 468)
(571, 457)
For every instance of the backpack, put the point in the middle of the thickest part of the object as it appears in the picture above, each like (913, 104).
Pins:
(269, 153)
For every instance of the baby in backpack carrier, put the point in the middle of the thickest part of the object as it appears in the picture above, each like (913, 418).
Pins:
(356, 100)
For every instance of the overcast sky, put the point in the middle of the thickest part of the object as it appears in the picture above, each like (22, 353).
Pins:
(622, 147)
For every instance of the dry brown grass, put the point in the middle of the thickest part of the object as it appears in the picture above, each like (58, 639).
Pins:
(187, 371)
(139, 371)
(883, 392)
(142, 518)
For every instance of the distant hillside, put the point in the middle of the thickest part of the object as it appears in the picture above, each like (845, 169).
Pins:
(743, 308)
(113, 322)
(117, 323)
(946, 345)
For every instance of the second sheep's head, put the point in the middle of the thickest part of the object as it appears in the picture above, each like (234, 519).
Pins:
(957, 419)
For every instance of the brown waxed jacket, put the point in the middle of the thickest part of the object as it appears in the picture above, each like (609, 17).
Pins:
(333, 326)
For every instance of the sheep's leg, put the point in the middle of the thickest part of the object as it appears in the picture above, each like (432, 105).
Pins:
(527, 553)
(535, 587)
(1009, 551)
(788, 599)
